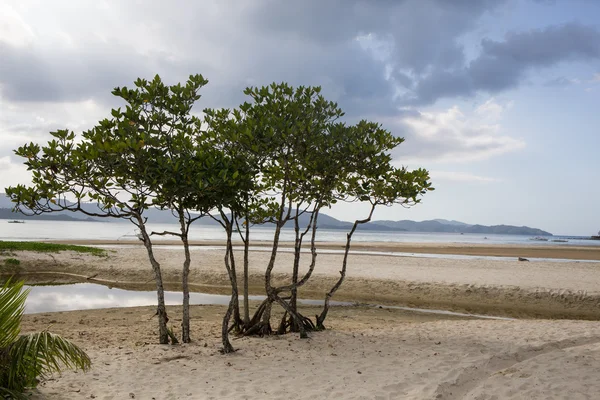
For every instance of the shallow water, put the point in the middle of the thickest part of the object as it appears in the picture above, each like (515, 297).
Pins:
(358, 252)
(86, 296)
(66, 230)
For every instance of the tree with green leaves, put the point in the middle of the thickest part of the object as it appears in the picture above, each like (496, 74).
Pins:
(394, 186)
(67, 175)
(233, 134)
(185, 173)
(142, 157)
(309, 160)
(25, 358)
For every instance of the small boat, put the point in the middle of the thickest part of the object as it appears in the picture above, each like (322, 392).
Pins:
(539, 239)
(14, 221)
(559, 240)
(594, 237)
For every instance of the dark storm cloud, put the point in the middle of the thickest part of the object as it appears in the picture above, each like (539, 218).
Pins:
(236, 43)
(504, 64)
(307, 42)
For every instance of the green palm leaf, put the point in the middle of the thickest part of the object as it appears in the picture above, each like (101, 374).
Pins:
(12, 304)
(23, 359)
(38, 354)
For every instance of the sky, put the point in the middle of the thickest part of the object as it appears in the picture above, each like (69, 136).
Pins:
(498, 99)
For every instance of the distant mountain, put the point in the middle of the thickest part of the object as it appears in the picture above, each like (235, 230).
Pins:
(328, 222)
(452, 222)
(7, 213)
(5, 201)
(157, 216)
(442, 225)
(154, 215)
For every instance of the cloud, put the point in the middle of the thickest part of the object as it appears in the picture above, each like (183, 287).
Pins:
(372, 56)
(4, 163)
(83, 52)
(387, 60)
(562, 81)
(503, 65)
(460, 177)
(452, 136)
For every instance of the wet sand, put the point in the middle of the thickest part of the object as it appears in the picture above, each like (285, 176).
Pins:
(533, 251)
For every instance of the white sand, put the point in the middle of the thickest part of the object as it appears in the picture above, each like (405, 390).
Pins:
(367, 353)
(365, 357)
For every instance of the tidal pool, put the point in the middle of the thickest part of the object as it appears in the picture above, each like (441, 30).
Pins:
(86, 296)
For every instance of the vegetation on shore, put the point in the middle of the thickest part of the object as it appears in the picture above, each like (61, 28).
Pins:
(48, 248)
(280, 157)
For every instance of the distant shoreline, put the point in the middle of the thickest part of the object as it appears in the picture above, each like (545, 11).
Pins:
(494, 250)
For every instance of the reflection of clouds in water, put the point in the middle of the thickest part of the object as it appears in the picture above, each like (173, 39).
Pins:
(58, 301)
(84, 296)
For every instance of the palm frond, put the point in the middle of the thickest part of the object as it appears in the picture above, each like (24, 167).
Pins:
(38, 354)
(12, 304)
(25, 358)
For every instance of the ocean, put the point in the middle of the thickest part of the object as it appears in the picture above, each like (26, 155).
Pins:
(71, 230)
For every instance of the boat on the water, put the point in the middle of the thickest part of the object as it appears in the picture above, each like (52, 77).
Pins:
(560, 240)
(14, 221)
(594, 237)
(539, 239)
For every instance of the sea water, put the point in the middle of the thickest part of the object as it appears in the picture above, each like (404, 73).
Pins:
(123, 231)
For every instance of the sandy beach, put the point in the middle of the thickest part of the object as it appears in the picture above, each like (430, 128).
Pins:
(367, 353)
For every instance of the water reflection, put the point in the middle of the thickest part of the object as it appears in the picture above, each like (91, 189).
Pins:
(85, 296)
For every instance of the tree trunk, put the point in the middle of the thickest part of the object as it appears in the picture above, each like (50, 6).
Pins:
(234, 290)
(329, 295)
(161, 310)
(185, 288)
(185, 322)
(294, 292)
(246, 263)
(231, 270)
(266, 319)
(227, 347)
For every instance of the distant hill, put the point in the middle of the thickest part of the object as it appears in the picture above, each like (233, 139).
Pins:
(7, 213)
(452, 222)
(325, 222)
(442, 225)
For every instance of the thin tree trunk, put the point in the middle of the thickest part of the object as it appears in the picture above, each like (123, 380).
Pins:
(185, 322)
(234, 288)
(266, 319)
(313, 250)
(269, 289)
(227, 347)
(246, 264)
(232, 270)
(294, 292)
(329, 295)
(161, 310)
(233, 302)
